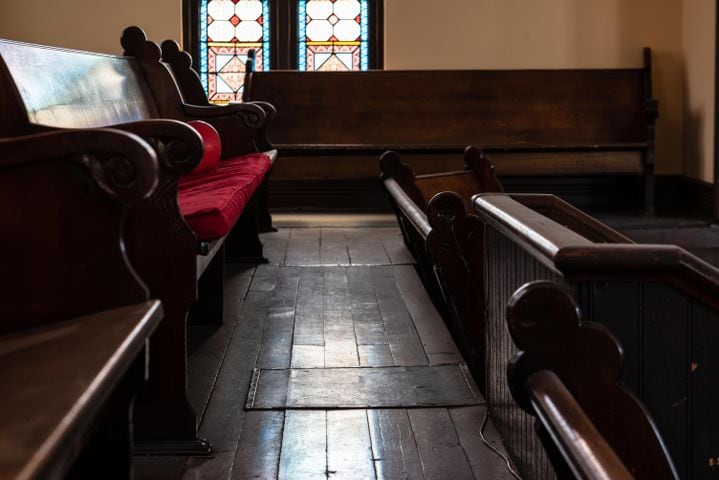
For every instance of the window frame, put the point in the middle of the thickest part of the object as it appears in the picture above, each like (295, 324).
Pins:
(283, 33)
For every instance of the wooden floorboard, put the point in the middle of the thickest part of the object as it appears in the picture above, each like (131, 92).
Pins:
(330, 299)
(393, 445)
(378, 387)
(440, 450)
(304, 445)
(258, 452)
(349, 451)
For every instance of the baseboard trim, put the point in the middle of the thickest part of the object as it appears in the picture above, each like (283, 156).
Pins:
(674, 193)
(679, 193)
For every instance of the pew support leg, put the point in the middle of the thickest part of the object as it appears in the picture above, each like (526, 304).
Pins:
(208, 310)
(243, 244)
(263, 204)
(165, 422)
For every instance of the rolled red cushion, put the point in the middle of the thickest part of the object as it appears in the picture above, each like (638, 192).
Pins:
(212, 145)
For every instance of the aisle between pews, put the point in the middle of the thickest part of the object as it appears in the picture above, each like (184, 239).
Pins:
(336, 312)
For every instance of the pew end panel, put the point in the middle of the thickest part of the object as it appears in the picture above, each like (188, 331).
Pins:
(658, 300)
(72, 337)
(562, 360)
(53, 184)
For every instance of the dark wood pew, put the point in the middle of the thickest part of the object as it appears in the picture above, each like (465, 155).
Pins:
(659, 301)
(74, 316)
(190, 85)
(46, 88)
(422, 203)
(566, 374)
(582, 124)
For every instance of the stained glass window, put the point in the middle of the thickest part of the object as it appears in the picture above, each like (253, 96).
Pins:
(333, 35)
(229, 29)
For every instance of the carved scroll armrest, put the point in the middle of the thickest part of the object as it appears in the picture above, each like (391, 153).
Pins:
(123, 165)
(252, 115)
(241, 126)
(178, 146)
(270, 110)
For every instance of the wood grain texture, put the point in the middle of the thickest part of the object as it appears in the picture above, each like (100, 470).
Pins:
(303, 247)
(402, 336)
(304, 445)
(393, 445)
(362, 387)
(275, 245)
(258, 452)
(440, 450)
(333, 247)
(484, 462)
(309, 314)
(430, 327)
(349, 452)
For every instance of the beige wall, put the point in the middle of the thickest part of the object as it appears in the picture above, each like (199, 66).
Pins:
(88, 24)
(548, 34)
(698, 41)
(474, 34)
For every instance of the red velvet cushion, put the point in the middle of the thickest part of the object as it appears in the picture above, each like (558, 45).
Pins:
(212, 145)
(212, 201)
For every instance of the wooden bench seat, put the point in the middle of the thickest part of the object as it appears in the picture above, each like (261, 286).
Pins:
(74, 317)
(47, 88)
(591, 124)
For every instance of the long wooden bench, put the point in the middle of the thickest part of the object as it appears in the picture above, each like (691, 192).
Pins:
(46, 88)
(659, 301)
(566, 373)
(590, 124)
(74, 316)
(419, 201)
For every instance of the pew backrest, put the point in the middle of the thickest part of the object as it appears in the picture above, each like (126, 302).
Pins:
(55, 87)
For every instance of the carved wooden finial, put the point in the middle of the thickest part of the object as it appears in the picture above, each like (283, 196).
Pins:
(392, 167)
(136, 44)
(483, 168)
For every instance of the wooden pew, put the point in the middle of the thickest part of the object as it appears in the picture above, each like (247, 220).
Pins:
(659, 301)
(46, 88)
(422, 203)
(74, 316)
(190, 85)
(594, 125)
(566, 374)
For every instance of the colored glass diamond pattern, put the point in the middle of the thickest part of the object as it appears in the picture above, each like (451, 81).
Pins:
(333, 35)
(229, 29)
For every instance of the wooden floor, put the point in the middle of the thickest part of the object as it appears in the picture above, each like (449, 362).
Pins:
(330, 298)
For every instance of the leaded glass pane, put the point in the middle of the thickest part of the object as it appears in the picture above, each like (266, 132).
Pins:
(229, 29)
(333, 35)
